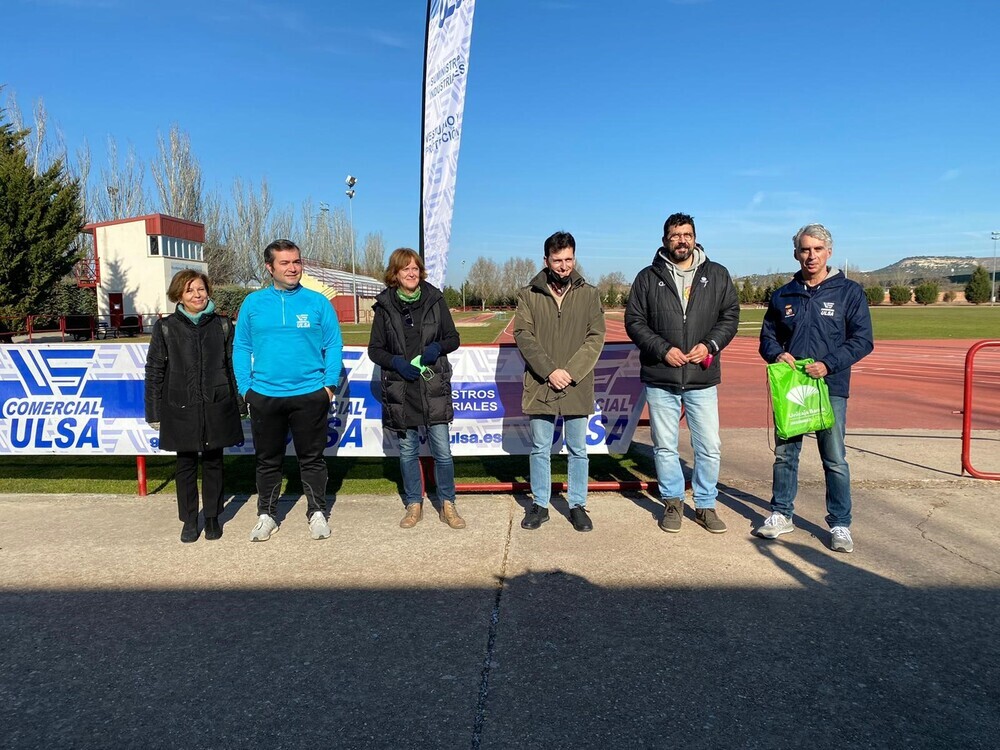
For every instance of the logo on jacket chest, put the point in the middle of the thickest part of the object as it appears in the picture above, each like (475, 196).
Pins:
(302, 321)
(789, 311)
(827, 309)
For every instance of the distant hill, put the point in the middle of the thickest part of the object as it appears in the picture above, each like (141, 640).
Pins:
(915, 269)
(933, 265)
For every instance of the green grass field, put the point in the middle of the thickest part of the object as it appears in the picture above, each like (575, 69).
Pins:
(117, 475)
(912, 322)
(481, 333)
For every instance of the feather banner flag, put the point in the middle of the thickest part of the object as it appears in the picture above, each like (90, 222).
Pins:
(446, 67)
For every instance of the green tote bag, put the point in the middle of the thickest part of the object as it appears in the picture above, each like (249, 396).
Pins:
(801, 404)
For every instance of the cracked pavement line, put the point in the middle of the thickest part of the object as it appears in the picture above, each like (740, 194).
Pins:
(484, 684)
(926, 537)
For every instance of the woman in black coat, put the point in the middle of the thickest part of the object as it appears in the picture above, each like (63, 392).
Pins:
(412, 334)
(191, 397)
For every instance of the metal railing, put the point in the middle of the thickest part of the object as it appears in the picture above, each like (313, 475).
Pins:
(967, 466)
(75, 327)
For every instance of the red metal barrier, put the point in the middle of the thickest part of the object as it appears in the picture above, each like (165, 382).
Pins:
(140, 470)
(967, 412)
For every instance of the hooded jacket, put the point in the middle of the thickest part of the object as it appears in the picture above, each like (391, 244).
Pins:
(831, 324)
(655, 320)
(190, 388)
(421, 402)
(551, 337)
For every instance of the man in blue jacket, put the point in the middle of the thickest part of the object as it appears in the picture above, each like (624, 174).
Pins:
(822, 315)
(287, 358)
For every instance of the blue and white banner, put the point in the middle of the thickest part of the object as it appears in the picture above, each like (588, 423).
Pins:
(88, 399)
(446, 66)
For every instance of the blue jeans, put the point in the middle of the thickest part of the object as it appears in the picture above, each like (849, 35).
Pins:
(785, 472)
(543, 428)
(701, 408)
(409, 464)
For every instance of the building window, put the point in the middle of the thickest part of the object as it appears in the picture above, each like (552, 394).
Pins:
(154, 245)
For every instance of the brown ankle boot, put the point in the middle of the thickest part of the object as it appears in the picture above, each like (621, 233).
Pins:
(449, 515)
(414, 512)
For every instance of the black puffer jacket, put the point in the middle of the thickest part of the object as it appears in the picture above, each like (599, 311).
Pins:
(421, 402)
(655, 321)
(190, 387)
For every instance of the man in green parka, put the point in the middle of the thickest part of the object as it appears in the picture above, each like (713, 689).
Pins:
(559, 330)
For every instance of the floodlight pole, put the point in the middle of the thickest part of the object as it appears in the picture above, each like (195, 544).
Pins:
(463, 283)
(993, 288)
(351, 182)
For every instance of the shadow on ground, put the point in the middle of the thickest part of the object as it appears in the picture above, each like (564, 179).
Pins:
(838, 658)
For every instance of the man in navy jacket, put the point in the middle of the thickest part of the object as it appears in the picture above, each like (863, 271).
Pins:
(822, 315)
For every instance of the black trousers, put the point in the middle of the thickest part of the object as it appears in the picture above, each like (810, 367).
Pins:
(271, 419)
(186, 478)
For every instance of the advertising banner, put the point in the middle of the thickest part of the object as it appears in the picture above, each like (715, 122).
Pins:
(446, 66)
(88, 399)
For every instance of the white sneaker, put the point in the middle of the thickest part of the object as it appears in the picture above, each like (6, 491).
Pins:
(264, 528)
(776, 525)
(318, 527)
(840, 539)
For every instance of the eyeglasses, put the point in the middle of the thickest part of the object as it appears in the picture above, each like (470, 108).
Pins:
(408, 319)
(682, 236)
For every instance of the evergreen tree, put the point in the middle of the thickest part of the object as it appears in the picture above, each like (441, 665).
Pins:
(899, 294)
(926, 293)
(980, 287)
(40, 218)
(875, 295)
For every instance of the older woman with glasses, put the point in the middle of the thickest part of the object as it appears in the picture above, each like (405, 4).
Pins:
(411, 336)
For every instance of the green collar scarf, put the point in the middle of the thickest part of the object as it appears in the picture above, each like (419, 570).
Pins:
(195, 317)
(409, 298)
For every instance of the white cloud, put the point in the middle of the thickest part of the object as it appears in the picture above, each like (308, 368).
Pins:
(773, 171)
(386, 39)
(951, 174)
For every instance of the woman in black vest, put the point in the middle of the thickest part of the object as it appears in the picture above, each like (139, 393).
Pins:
(191, 397)
(412, 335)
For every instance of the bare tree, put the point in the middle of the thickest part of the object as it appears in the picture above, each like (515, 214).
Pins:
(219, 254)
(44, 146)
(120, 194)
(516, 273)
(613, 288)
(373, 261)
(484, 279)
(248, 230)
(81, 171)
(282, 224)
(177, 175)
(310, 231)
(324, 234)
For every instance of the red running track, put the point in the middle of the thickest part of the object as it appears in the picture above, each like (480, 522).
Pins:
(901, 385)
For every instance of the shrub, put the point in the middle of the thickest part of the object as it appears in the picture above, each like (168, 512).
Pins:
(949, 296)
(228, 299)
(452, 297)
(899, 295)
(980, 287)
(875, 295)
(926, 293)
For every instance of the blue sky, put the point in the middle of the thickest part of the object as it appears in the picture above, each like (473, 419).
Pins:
(878, 118)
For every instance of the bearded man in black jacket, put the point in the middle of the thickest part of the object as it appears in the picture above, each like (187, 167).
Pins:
(682, 312)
